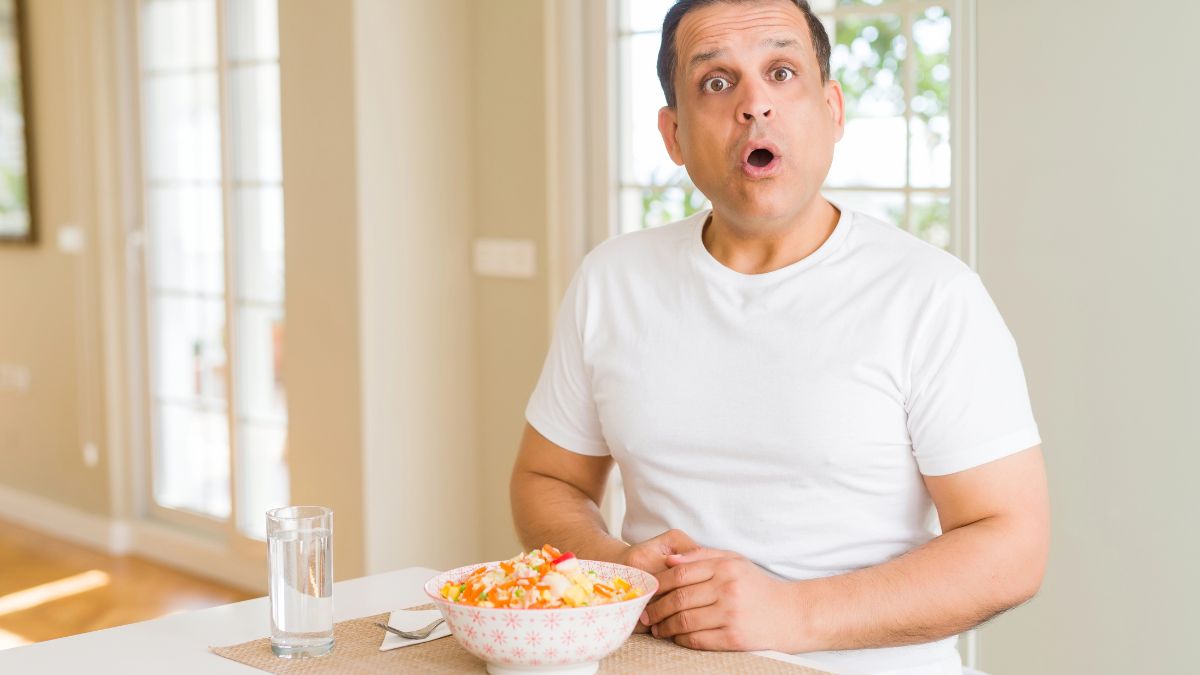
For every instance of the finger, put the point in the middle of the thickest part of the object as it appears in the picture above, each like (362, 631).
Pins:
(685, 575)
(712, 640)
(697, 554)
(676, 541)
(680, 600)
(690, 621)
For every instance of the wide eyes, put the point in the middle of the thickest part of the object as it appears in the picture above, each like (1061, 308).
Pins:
(717, 84)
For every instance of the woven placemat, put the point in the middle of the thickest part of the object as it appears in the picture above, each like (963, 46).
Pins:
(356, 652)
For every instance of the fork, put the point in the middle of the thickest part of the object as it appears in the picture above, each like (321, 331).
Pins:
(419, 634)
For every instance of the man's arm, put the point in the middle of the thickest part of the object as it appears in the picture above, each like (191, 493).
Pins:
(556, 497)
(991, 557)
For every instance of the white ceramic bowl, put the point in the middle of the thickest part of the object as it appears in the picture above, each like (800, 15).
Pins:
(569, 640)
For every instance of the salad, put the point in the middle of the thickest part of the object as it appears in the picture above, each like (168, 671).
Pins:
(544, 578)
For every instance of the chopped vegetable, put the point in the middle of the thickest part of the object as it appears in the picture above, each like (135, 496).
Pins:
(544, 578)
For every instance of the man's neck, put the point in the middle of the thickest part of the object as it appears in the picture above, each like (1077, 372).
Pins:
(757, 248)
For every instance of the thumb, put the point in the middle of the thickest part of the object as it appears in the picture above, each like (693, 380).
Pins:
(698, 553)
(677, 541)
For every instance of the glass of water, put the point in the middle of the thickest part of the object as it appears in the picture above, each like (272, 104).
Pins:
(300, 562)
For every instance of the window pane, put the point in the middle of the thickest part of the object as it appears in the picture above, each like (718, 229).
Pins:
(259, 214)
(644, 207)
(189, 348)
(648, 14)
(646, 160)
(182, 127)
(191, 463)
(178, 34)
(186, 239)
(262, 475)
(886, 206)
(260, 364)
(930, 219)
(931, 100)
(866, 60)
(253, 29)
(254, 98)
(870, 154)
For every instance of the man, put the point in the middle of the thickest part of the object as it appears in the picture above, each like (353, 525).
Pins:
(787, 387)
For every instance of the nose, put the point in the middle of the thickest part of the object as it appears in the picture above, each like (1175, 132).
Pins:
(755, 104)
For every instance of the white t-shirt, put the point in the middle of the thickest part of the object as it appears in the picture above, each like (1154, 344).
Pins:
(787, 416)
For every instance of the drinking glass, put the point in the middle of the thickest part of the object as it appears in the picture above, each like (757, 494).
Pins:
(300, 568)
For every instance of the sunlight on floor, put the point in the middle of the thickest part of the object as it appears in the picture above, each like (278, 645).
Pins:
(8, 639)
(54, 590)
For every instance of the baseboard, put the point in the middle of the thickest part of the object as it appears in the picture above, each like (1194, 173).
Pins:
(193, 553)
(199, 555)
(65, 522)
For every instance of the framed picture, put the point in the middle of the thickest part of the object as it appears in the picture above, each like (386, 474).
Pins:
(17, 223)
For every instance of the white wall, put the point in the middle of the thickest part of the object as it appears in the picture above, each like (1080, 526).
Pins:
(414, 115)
(1089, 244)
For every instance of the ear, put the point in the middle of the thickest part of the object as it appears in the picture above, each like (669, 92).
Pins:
(668, 125)
(835, 100)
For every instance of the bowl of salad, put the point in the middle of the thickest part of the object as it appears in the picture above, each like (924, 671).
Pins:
(544, 611)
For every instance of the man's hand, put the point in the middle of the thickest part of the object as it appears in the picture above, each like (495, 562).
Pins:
(720, 601)
(651, 555)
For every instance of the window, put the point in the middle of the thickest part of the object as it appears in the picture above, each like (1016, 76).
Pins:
(899, 65)
(214, 284)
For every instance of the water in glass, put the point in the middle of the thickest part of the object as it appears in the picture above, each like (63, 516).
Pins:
(300, 560)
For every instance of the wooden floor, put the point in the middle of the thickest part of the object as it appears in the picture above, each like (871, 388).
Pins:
(50, 588)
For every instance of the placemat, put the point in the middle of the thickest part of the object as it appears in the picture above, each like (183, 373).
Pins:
(356, 652)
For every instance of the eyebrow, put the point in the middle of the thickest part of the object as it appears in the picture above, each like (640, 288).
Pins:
(775, 43)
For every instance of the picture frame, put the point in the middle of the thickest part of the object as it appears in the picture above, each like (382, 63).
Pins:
(18, 224)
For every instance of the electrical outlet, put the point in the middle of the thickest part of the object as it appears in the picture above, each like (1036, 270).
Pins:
(71, 239)
(506, 258)
(14, 377)
(91, 454)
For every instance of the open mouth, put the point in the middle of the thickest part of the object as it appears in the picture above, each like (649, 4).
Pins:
(760, 157)
(762, 160)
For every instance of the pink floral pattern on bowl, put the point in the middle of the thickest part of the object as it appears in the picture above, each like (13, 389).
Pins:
(545, 638)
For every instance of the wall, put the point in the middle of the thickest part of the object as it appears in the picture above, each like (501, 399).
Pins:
(511, 316)
(415, 185)
(49, 299)
(1088, 144)
(323, 365)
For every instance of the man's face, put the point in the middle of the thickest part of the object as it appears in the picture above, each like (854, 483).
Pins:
(753, 123)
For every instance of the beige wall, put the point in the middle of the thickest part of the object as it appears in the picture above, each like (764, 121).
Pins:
(413, 122)
(48, 299)
(1088, 149)
(512, 316)
(321, 209)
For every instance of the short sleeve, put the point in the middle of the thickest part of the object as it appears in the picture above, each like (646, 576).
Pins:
(968, 402)
(562, 408)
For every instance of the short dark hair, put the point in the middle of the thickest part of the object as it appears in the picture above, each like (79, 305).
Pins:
(667, 58)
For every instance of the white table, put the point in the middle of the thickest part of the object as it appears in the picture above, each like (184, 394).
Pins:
(179, 644)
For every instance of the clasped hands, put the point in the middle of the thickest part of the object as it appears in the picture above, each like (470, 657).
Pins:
(717, 600)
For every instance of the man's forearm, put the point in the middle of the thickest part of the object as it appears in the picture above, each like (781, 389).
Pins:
(548, 511)
(949, 585)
